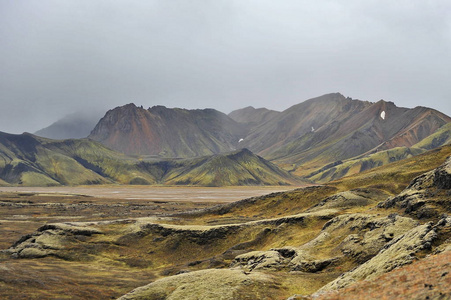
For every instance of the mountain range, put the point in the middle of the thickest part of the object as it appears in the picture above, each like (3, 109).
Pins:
(321, 139)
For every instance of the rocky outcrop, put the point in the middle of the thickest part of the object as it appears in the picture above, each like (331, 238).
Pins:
(427, 196)
(358, 237)
(50, 239)
(258, 260)
(287, 258)
(396, 253)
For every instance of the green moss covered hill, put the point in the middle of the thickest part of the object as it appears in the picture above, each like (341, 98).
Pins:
(29, 160)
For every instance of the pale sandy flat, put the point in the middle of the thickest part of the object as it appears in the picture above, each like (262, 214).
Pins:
(163, 193)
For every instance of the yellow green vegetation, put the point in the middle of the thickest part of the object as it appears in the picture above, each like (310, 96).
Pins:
(270, 247)
(379, 158)
(394, 177)
(33, 161)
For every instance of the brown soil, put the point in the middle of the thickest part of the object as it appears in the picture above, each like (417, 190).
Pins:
(429, 278)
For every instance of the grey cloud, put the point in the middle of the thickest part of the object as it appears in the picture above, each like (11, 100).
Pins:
(57, 57)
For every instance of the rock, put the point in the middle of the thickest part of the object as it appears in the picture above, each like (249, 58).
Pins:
(372, 235)
(49, 239)
(359, 236)
(257, 260)
(442, 176)
(315, 265)
(427, 196)
(32, 252)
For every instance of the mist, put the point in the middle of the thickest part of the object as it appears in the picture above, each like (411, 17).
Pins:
(59, 57)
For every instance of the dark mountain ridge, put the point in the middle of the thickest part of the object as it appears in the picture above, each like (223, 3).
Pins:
(304, 139)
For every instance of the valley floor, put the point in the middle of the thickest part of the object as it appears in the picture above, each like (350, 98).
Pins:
(156, 193)
(24, 209)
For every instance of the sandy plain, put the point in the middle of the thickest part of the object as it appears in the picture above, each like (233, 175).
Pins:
(159, 193)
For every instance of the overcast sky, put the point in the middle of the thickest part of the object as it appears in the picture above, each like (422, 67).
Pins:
(57, 57)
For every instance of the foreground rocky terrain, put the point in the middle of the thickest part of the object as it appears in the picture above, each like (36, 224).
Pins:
(381, 224)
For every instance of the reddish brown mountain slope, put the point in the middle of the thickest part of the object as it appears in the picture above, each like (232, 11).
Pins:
(378, 126)
(167, 132)
(301, 119)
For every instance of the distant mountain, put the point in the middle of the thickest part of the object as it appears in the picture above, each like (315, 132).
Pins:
(30, 160)
(253, 117)
(332, 128)
(73, 126)
(168, 132)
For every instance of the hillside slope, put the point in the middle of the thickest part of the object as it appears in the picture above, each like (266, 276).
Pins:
(378, 158)
(240, 167)
(299, 120)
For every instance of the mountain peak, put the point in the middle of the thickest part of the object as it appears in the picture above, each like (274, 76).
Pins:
(168, 132)
(252, 115)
